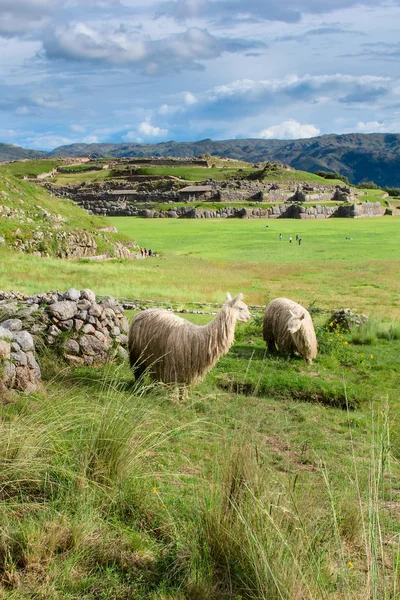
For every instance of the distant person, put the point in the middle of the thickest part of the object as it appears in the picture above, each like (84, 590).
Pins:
(297, 237)
(142, 251)
(290, 239)
(150, 252)
(280, 237)
(299, 241)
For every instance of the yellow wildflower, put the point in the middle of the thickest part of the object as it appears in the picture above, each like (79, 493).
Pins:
(346, 343)
(371, 356)
(362, 354)
(155, 490)
(350, 564)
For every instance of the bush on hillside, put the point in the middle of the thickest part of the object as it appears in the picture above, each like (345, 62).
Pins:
(333, 175)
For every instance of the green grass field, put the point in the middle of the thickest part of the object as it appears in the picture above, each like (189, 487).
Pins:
(30, 168)
(202, 259)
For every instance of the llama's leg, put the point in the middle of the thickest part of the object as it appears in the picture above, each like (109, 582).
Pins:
(271, 345)
(138, 371)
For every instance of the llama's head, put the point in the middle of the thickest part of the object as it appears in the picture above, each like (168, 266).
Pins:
(241, 309)
(295, 322)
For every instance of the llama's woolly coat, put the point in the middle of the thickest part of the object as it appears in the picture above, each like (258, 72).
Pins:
(281, 317)
(176, 351)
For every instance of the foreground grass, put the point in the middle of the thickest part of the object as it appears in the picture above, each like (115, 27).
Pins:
(113, 491)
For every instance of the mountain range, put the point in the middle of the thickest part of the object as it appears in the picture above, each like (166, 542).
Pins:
(361, 157)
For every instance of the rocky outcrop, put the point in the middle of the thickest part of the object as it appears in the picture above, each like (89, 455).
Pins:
(345, 319)
(19, 368)
(81, 330)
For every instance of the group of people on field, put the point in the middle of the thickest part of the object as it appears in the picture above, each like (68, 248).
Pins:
(144, 252)
(298, 239)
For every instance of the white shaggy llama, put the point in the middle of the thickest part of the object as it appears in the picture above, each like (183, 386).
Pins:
(289, 326)
(176, 351)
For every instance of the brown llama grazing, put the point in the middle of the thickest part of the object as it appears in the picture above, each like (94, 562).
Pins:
(176, 351)
(289, 326)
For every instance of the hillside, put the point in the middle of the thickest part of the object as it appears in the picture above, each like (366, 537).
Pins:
(10, 152)
(361, 157)
(36, 223)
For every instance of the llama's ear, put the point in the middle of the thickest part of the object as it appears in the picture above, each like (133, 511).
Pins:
(238, 298)
(292, 313)
(302, 316)
(228, 296)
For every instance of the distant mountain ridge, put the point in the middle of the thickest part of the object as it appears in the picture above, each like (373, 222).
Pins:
(361, 157)
(9, 152)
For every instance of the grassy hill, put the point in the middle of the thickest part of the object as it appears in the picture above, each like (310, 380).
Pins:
(34, 222)
(361, 157)
(10, 152)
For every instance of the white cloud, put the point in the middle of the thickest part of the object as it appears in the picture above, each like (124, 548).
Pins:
(90, 139)
(289, 130)
(47, 141)
(378, 127)
(149, 130)
(75, 127)
(18, 17)
(123, 46)
(189, 99)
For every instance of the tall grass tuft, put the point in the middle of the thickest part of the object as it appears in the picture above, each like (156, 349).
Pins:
(268, 539)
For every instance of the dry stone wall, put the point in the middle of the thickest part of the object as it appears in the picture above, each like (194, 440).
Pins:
(104, 199)
(19, 368)
(77, 327)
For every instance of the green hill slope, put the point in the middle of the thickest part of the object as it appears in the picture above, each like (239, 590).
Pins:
(360, 157)
(34, 222)
(10, 152)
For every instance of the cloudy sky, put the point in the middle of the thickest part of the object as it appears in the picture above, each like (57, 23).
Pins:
(157, 70)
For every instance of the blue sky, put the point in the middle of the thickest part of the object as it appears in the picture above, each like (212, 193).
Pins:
(157, 70)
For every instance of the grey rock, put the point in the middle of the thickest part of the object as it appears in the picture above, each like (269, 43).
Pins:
(116, 331)
(27, 312)
(91, 345)
(54, 331)
(123, 324)
(91, 320)
(95, 310)
(82, 315)
(84, 304)
(5, 334)
(78, 324)
(71, 347)
(123, 339)
(88, 295)
(24, 339)
(72, 294)
(88, 328)
(33, 363)
(19, 359)
(12, 324)
(122, 353)
(64, 310)
(15, 347)
(9, 372)
(66, 325)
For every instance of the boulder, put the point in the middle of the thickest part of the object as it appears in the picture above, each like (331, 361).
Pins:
(24, 340)
(12, 324)
(91, 345)
(64, 310)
